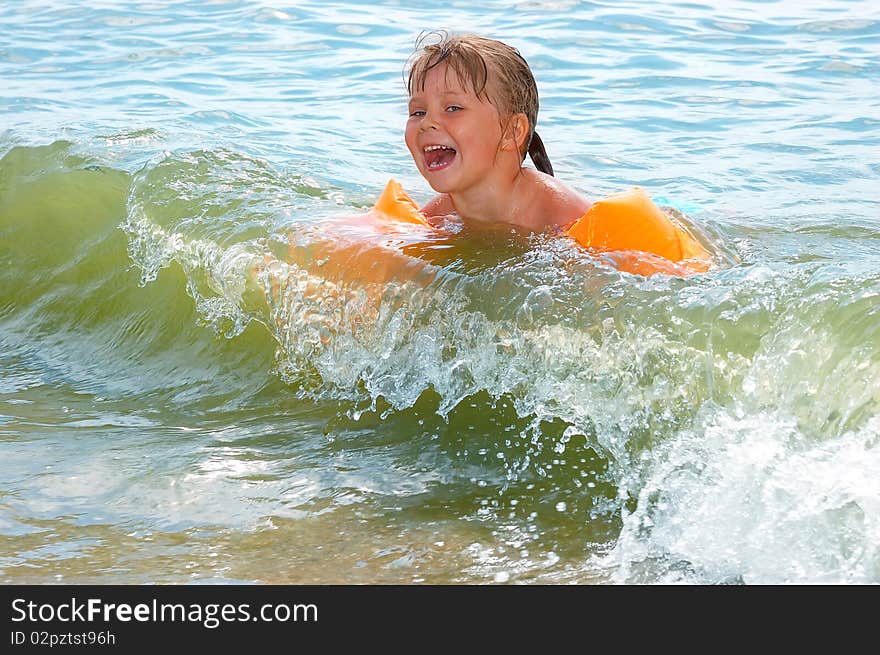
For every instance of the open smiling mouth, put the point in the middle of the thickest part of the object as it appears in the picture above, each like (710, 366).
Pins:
(438, 157)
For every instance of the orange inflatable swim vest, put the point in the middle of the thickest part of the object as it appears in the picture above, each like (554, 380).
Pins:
(642, 238)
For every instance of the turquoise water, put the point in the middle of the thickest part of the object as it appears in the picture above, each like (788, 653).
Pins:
(505, 408)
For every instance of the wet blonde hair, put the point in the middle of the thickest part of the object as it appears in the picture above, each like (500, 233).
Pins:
(512, 89)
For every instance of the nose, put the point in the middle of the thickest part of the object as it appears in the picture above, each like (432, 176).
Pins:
(428, 122)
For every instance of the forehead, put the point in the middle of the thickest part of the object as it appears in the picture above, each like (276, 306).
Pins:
(442, 78)
(446, 79)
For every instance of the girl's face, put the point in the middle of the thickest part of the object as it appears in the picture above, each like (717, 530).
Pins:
(452, 135)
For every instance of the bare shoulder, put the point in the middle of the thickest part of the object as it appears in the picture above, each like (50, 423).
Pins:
(559, 203)
(438, 206)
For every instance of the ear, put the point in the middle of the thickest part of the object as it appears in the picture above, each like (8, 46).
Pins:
(517, 132)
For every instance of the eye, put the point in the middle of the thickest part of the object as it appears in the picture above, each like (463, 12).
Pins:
(417, 113)
(453, 108)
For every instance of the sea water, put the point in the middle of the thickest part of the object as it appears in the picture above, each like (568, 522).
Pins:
(182, 402)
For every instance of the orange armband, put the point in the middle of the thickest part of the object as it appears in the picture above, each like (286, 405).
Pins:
(395, 203)
(630, 223)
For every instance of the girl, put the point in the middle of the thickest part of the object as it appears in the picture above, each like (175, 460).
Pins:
(472, 112)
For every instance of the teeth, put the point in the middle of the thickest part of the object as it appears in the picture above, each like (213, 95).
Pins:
(430, 148)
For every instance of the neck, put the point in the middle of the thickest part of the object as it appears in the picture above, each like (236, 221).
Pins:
(496, 199)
